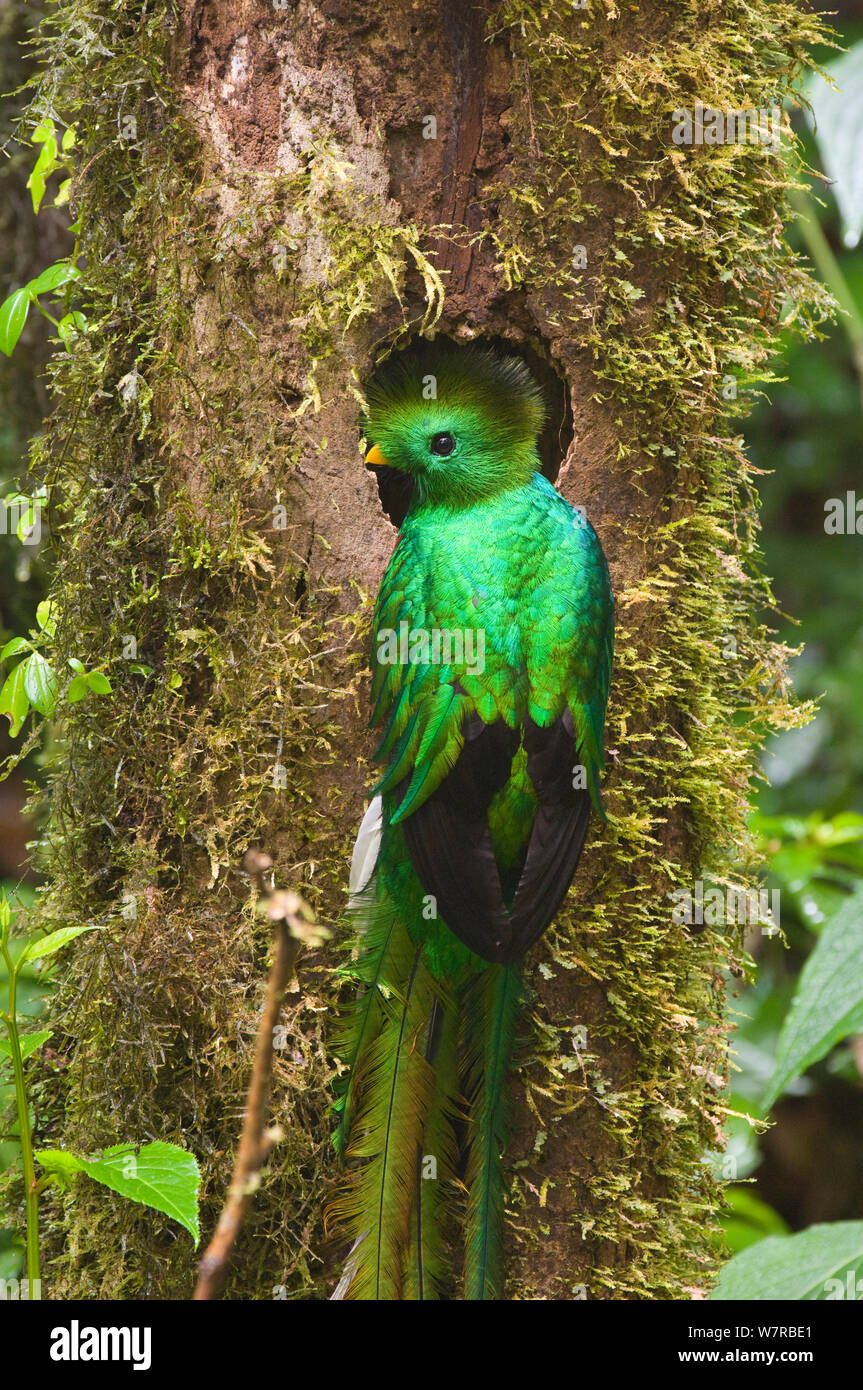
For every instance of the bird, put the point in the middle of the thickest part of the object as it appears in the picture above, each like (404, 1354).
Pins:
(492, 650)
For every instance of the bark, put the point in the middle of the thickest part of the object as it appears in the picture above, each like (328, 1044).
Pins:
(278, 216)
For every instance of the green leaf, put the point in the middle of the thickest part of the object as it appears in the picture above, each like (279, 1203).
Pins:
(13, 316)
(54, 278)
(14, 646)
(828, 1004)
(38, 947)
(29, 512)
(44, 129)
(40, 683)
(838, 118)
(69, 138)
(44, 166)
(78, 688)
(749, 1219)
(70, 326)
(158, 1175)
(61, 1165)
(63, 193)
(11, 1261)
(13, 699)
(99, 683)
(46, 617)
(823, 1263)
(28, 1042)
(26, 522)
(36, 184)
(76, 665)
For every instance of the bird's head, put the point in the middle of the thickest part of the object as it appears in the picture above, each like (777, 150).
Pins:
(463, 422)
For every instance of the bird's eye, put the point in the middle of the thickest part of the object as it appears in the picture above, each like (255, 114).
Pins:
(442, 444)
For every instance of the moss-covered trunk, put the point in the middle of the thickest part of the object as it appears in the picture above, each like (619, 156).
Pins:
(271, 193)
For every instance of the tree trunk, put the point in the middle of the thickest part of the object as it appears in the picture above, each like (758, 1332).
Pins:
(271, 194)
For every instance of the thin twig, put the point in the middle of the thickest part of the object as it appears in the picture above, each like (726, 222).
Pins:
(292, 926)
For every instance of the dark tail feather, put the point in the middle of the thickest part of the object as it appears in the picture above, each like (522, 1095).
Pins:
(490, 1015)
(427, 1267)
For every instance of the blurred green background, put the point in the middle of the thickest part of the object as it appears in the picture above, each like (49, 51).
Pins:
(806, 435)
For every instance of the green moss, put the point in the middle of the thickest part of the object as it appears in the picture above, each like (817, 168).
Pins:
(685, 280)
(225, 346)
(168, 467)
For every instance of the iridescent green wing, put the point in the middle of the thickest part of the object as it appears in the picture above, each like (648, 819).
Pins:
(451, 733)
(428, 683)
(570, 654)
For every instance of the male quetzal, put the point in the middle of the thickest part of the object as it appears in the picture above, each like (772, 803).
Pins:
(493, 635)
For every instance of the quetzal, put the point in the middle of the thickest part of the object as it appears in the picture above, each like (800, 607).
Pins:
(492, 648)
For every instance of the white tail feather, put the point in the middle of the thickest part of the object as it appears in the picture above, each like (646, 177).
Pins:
(350, 1269)
(367, 847)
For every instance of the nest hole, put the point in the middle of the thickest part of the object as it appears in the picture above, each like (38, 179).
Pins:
(395, 490)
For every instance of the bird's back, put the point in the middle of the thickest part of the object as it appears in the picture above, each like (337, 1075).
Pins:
(499, 620)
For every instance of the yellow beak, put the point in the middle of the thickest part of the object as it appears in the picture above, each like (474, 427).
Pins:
(375, 458)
